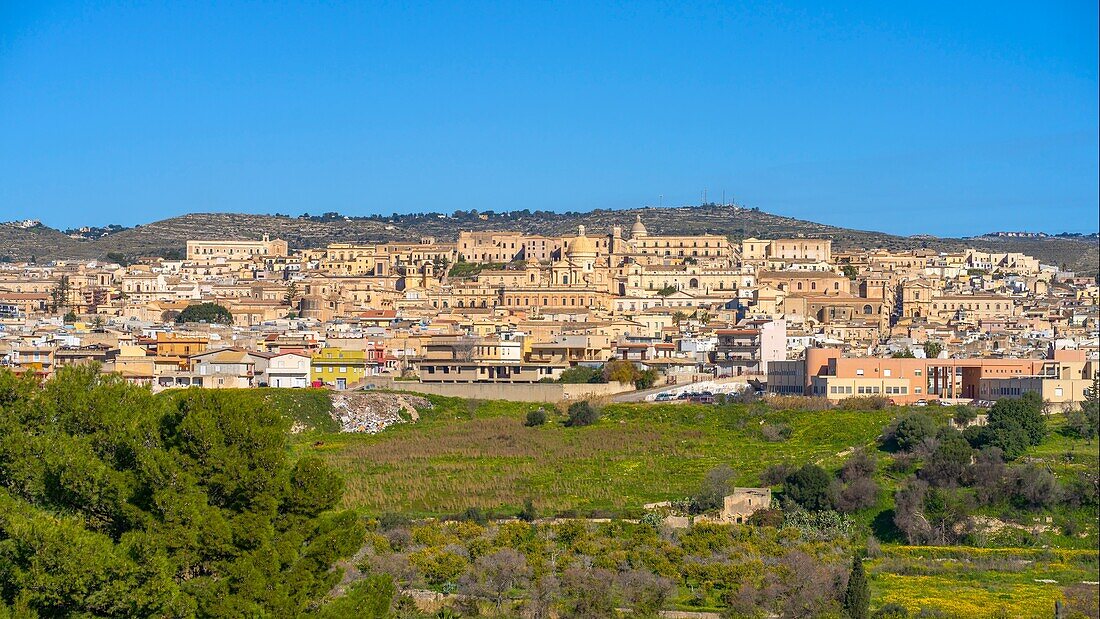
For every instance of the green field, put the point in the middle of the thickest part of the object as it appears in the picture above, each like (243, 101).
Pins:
(479, 454)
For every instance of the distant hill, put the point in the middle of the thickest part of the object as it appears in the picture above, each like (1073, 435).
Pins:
(168, 237)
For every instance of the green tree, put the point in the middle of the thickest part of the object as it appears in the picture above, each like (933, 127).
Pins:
(903, 354)
(717, 483)
(810, 487)
(181, 504)
(912, 429)
(292, 294)
(850, 272)
(205, 312)
(1084, 420)
(932, 349)
(620, 370)
(950, 459)
(1013, 425)
(60, 294)
(370, 598)
(581, 374)
(857, 596)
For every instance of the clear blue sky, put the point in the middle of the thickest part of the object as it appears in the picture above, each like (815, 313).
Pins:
(909, 117)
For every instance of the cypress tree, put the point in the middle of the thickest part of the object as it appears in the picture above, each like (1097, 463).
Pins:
(857, 598)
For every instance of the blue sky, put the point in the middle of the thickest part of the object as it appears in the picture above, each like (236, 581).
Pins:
(946, 118)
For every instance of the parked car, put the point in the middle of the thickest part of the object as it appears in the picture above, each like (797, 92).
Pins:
(664, 397)
(921, 403)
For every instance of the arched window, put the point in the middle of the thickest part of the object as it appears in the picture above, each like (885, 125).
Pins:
(693, 283)
(867, 309)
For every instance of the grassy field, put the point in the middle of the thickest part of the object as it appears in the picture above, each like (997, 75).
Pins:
(479, 454)
(978, 582)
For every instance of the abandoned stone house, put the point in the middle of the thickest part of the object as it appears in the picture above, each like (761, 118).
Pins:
(745, 502)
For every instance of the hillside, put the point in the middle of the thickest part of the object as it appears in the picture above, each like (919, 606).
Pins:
(478, 455)
(168, 237)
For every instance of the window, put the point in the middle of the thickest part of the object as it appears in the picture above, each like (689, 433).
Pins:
(1057, 392)
(859, 372)
(886, 372)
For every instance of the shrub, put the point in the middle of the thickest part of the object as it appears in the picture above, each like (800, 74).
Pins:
(950, 459)
(891, 611)
(767, 518)
(775, 433)
(581, 374)
(621, 371)
(528, 513)
(535, 418)
(911, 430)
(776, 474)
(474, 514)
(860, 464)
(857, 494)
(865, 403)
(582, 414)
(810, 487)
(963, 415)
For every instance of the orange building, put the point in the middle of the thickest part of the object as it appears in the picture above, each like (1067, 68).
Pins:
(1061, 379)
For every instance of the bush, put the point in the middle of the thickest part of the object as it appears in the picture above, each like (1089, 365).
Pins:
(858, 494)
(1014, 425)
(646, 379)
(528, 513)
(474, 514)
(775, 433)
(581, 374)
(535, 418)
(891, 611)
(620, 371)
(810, 487)
(865, 403)
(963, 415)
(582, 414)
(767, 518)
(911, 430)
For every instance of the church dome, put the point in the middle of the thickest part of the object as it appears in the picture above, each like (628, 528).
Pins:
(638, 229)
(581, 244)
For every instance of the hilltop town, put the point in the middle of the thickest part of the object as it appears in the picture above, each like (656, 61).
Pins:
(522, 312)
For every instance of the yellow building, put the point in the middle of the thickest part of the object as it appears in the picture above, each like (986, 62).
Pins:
(338, 366)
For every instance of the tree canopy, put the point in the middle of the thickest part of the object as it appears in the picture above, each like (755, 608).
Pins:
(118, 503)
(205, 312)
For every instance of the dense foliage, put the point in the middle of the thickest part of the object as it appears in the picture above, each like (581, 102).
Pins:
(115, 502)
(205, 312)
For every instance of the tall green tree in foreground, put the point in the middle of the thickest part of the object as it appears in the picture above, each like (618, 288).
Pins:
(116, 503)
(857, 597)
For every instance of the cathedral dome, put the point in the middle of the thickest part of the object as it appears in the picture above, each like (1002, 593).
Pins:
(638, 229)
(581, 244)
